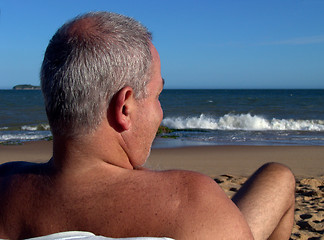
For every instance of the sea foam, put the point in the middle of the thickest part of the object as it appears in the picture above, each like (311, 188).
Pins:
(17, 137)
(242, 122)
(39, 127)
(24, 133)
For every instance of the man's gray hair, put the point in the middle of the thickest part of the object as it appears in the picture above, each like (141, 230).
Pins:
(88, 60)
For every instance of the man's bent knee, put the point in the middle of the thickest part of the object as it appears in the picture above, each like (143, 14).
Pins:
(278, 169)
(280, 173)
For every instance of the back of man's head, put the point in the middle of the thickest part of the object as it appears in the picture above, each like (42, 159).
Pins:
(88, 60)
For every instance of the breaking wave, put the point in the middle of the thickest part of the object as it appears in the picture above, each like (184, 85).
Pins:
(24, 133)
(40, 127)
(246, 122)
(18, 137)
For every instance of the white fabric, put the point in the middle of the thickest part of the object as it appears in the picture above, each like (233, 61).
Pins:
(77, 235)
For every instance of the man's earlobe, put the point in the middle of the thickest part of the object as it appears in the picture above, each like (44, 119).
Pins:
(123, 108)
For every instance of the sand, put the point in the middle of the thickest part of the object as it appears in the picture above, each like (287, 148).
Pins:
(229, 166)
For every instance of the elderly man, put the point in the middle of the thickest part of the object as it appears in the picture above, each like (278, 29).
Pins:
(101, 82)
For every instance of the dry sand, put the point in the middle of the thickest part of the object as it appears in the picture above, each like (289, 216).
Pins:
(230, 166)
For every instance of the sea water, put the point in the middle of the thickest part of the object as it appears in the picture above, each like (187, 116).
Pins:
(197, 117)
(22, 116)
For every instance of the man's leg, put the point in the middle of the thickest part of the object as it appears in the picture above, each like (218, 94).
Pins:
(267, 201)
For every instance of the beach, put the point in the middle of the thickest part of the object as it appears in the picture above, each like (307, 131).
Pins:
(229, 166)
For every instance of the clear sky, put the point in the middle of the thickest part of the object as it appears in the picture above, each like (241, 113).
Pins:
(202, 43)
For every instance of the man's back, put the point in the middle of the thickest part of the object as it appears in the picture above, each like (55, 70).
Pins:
(114, 202)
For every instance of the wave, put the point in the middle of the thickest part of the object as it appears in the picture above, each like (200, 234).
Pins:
(24, 133)
(246, 122)
(18, 137)
(39, 127)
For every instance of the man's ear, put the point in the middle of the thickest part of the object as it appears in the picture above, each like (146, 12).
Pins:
(124, 102)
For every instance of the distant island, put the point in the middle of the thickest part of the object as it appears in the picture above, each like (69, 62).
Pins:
(26, 87)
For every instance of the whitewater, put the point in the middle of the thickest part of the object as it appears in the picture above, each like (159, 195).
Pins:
(245, 122)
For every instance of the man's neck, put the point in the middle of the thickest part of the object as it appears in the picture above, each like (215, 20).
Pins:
(88, 151)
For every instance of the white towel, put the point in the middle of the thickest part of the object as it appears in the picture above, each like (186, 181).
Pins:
(76, 235)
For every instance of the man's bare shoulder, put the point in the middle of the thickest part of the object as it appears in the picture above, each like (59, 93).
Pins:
(203, 208)
(188, 182)
(17, 178)
(19, 167)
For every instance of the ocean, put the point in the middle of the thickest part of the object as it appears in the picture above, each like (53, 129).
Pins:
(197, 117)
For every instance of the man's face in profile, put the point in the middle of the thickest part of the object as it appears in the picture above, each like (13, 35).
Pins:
(149, 113)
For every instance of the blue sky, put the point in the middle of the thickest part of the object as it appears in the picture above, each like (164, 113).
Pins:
(202, 43)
